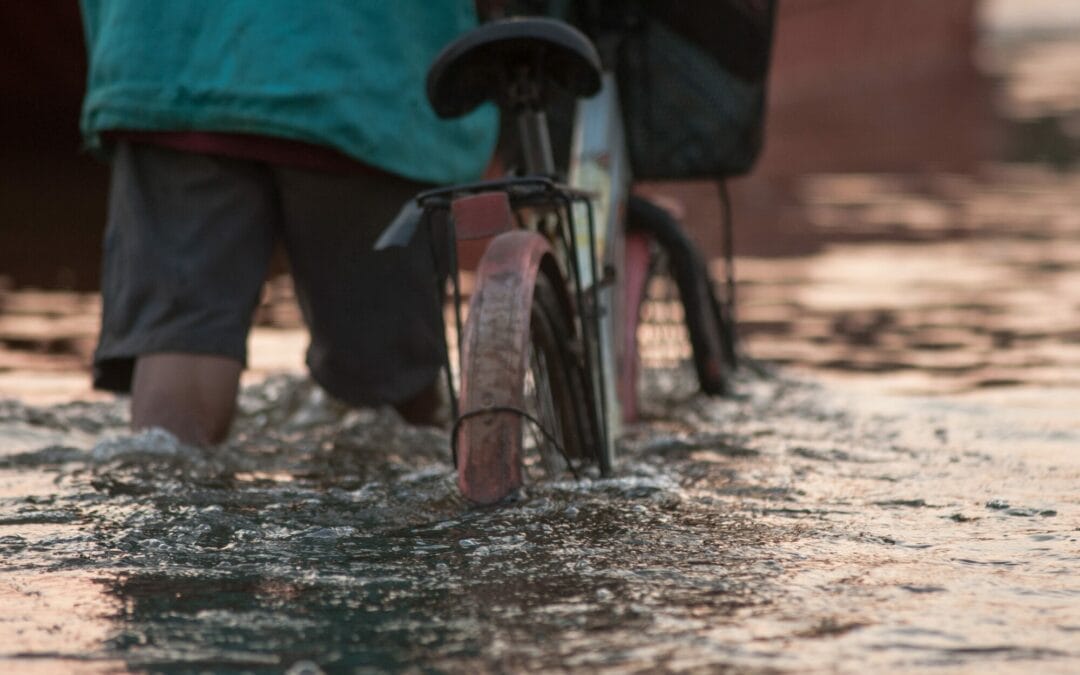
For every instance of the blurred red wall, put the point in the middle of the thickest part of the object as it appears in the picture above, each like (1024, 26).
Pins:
(856, 85)
(52, 196)
(876, 85)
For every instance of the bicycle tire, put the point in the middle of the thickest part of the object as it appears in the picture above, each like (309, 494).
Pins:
(702, 312)
(520, 359)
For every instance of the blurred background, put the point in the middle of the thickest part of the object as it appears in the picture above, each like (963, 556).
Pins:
(913, 225)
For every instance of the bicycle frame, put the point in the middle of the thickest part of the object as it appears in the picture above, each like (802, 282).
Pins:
(572, 234)
(600, 167)
(590, 231)
(558, 247)
(600, 170)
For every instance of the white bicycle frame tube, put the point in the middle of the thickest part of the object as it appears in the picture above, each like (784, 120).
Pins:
(600, 166)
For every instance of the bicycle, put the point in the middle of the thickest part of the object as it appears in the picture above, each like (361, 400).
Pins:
(548, 351)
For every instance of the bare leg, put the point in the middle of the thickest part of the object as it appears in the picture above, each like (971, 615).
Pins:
(193, 396)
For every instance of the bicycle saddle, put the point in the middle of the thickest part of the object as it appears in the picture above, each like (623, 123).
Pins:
(513, 62)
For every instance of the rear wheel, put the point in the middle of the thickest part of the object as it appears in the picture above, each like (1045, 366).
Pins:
(554, 393)
(524, 401)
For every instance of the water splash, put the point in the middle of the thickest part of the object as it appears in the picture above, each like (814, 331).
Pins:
(784, 527)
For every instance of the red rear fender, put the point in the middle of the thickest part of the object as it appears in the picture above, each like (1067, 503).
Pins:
(495, 345)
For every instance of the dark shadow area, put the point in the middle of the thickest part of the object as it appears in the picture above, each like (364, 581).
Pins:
(52, 194)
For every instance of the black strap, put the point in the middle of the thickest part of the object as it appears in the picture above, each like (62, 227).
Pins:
(517, 411)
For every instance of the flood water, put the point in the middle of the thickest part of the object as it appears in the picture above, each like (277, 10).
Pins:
(789, 527)
(897, 489)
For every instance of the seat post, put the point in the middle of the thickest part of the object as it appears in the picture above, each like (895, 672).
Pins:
(535, 142)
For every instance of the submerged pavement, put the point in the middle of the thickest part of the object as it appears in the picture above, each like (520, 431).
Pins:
(790, 527)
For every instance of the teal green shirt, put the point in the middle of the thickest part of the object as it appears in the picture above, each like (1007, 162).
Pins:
(348, 74)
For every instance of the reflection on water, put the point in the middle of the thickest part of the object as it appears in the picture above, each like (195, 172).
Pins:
(790, 526)
(940, 284)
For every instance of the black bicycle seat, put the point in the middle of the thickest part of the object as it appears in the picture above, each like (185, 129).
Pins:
(513, 62)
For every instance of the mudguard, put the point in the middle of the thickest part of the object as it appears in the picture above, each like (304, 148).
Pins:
(494, 351)
(637, 258)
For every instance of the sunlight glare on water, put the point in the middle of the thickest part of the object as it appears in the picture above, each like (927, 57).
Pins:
(791, 526)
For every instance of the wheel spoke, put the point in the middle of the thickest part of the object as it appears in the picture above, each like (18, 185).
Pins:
(542, 455)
